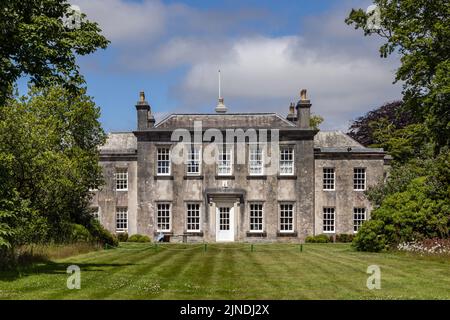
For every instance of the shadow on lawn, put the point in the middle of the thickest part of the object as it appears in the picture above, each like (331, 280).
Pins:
(50, 267)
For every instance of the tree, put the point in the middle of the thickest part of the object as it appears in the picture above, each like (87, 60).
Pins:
(419, 31)
(362, 129)
(49, 144)
(34, 41)
(315, 121)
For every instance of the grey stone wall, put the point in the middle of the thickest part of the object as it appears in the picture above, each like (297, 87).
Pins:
(107, 198)
(178, 189)
(344, 198)
(303, 189)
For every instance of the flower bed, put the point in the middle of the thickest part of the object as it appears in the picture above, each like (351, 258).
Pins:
(428, 246)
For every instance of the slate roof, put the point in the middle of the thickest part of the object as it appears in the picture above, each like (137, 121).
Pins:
(225, 120)
(338, 141)
(120, 142)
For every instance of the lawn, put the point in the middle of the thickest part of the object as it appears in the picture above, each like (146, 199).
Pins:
(276, 271)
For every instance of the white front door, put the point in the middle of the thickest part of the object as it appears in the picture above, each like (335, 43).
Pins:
(225, 223)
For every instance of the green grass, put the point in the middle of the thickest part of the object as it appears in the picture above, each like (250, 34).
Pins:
(276, 271)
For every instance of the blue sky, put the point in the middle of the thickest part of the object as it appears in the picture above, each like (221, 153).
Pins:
(267, 51)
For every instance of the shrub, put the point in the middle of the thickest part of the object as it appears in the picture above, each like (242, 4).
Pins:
(80, 234)
(344, 237)
(100, 234)
(122, 237)
(370, 237)
(404, 217)
(138, 238)
(321, 238)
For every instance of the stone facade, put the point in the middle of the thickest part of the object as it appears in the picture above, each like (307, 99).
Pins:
(278, 207)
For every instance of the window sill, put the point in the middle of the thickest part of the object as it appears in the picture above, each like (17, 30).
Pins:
(122, 190)
(287, 234)
(256, 177)
(261, 234)
(193, 233)
(286, 177)
(193, 177)
(163, 177)
(224, 177)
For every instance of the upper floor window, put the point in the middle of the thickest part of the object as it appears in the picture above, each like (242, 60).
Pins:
(163, 161)
(224, 161)
(121, 179)
(359, 216)
(286, 217)
(328, 220)
(256, 162)
(328, 178)
(193, 217)
(359, 179)
(256, 217)
(121, 219)
(286, 161)
(194, 160)
(163, 217)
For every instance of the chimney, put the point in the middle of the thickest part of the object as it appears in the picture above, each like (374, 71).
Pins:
(291, 115)
(303, 111)
(145, 118)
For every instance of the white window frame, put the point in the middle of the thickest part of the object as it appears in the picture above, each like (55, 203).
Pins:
(122, 216)
(280, 217)
(255, 160)
(160, 161)
(287, 164)
(328, 227)
(158, 217)
(223, 150)
(329, 179)
(359, 217)
(251, 215)
(225, 220)
(190, 210)
(194, 156)
(359, 178)
(121, 178)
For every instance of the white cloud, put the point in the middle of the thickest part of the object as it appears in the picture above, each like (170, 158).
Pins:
(126, 22)
(267, 73)
(340, 68)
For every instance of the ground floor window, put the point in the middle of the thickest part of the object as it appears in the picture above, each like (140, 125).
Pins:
(256, 217)
(193, 217)
(121, 219)
(328, 220)
(286, 217)
(163, 217)
(359, 216)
